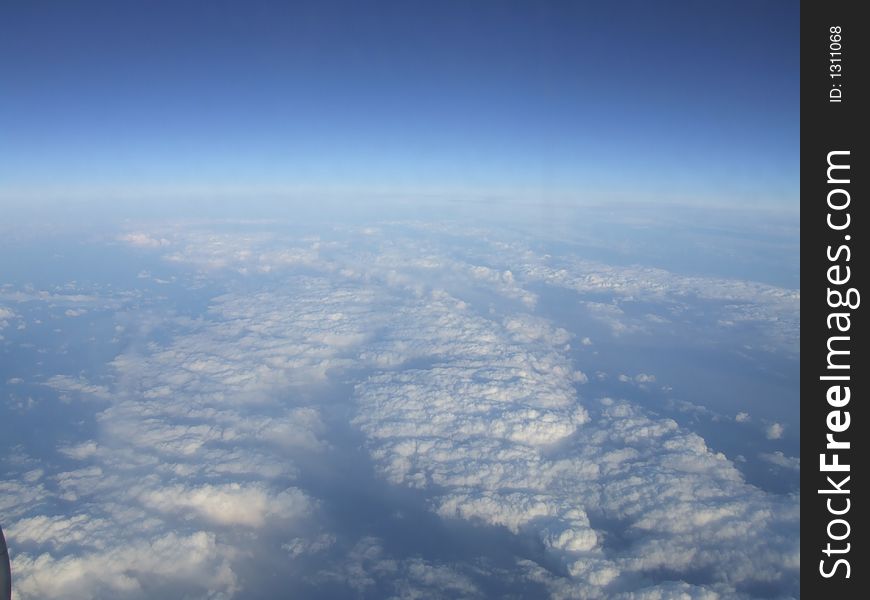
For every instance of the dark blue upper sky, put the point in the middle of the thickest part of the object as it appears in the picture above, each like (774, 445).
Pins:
(648, 100)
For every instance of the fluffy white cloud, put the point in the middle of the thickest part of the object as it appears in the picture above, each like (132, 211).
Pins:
(781, 460)
(79, 387)
(144, 240)
(300, 546)
(17, 498)
(461, 389)
(230, 504)
(640, 379)
(196, 444)
(496, 431)
(774, 431)
(80, 451)
(133, 569)
(5, 315)
(368, 568)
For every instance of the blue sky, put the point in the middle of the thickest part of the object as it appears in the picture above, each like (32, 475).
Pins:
(665, 101)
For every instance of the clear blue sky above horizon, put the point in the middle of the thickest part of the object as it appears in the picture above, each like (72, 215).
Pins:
(649, 100)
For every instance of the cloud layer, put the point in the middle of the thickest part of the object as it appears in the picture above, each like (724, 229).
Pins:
(213, 433)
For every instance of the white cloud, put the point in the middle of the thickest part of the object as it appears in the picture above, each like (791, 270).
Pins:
(58, 531)
(460, 388)
(368, 569)
(781, 460)
(774, 431)
(776, 310)
(208, 408)
(129, 570)
(80, 451)
(144, 240)
(17, 499)
(230, 504)
(78, 386)
(451, 428)
(300, 546)
(5, 315)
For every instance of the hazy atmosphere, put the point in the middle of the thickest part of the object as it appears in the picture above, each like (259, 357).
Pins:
(400, 300)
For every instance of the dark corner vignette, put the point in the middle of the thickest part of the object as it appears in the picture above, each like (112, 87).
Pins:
(833, 258)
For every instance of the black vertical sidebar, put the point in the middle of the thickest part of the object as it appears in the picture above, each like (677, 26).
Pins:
(834, 221)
